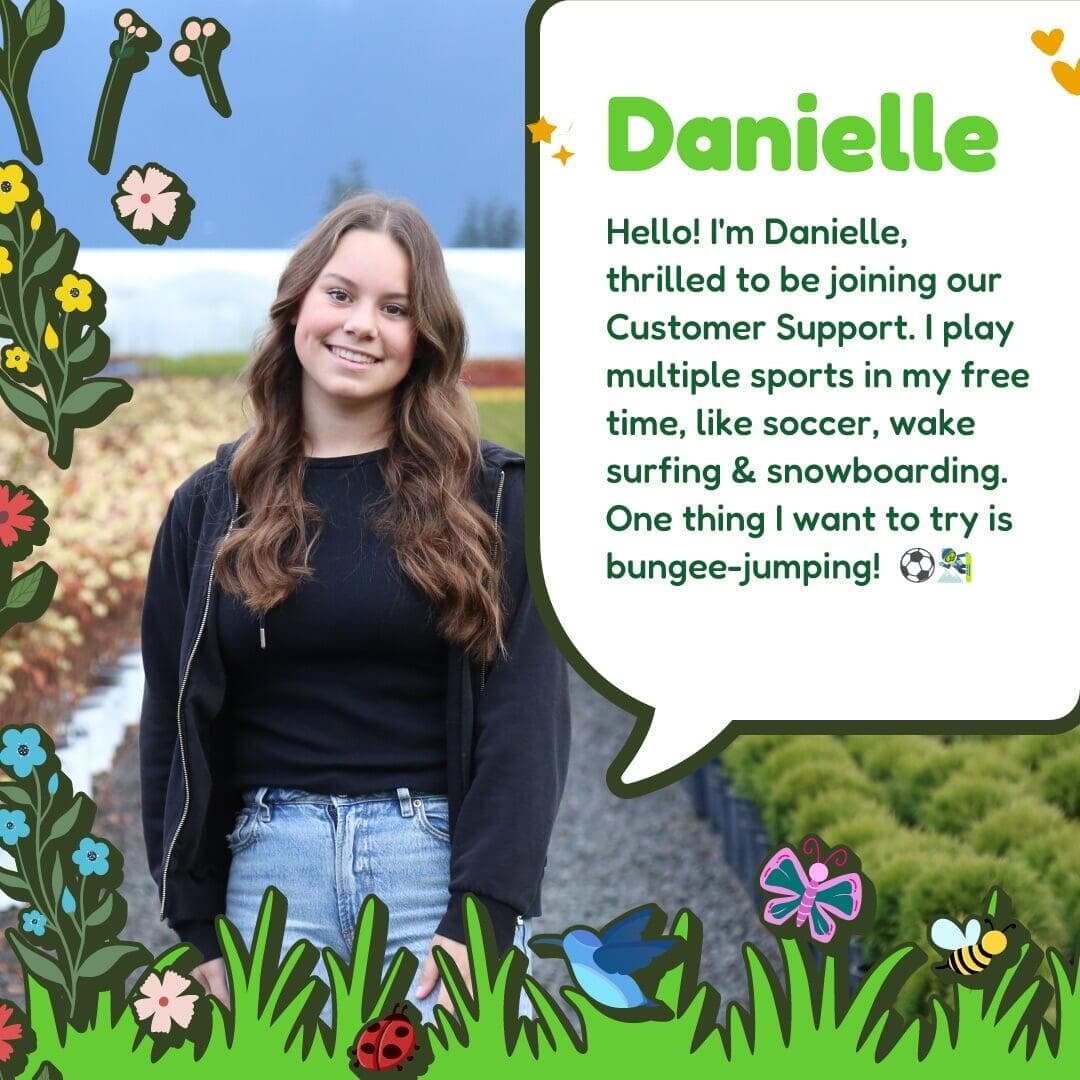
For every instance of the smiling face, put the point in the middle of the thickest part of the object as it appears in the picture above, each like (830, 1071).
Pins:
(355, 337)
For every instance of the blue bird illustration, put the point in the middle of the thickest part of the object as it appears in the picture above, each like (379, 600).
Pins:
(603, 964)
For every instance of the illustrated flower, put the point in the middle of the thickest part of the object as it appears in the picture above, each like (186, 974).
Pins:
(33, 922)
(35, 221)
(5, 261)
(74, 293)
(52, 341)
(12, 188)
(9, 1033)
(22, 751)
(17, 358)
(13, 826)
(146, 198)
(92, 857)
(165, 1001)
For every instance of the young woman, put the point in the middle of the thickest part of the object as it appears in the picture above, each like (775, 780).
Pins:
(348, 688)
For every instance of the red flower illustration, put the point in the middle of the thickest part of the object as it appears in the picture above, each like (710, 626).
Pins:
(9, 1033)
(12, 519)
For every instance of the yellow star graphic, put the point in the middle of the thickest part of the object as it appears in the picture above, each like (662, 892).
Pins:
(541, 130)
(564, 155)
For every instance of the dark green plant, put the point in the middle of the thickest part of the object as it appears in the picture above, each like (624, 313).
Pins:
(26, 37)
(66, 935)
(198, 52)
(53, 315)
(128, 54)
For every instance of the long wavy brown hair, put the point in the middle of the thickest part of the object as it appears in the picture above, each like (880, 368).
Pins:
(444, 539)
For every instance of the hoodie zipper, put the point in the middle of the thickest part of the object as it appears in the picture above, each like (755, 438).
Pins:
(179, 715)
(498, 510)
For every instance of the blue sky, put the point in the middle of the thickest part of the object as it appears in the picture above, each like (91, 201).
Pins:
(430, 95)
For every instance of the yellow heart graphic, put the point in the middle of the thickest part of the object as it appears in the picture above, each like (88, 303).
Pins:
(1048, 43)
(1067, 75)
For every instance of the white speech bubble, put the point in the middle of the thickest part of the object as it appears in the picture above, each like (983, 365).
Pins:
(988, 136)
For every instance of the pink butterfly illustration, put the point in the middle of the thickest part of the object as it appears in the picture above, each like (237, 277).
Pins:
(810, 894)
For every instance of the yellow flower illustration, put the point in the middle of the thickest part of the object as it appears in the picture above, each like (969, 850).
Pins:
(12, 189)
(74, 293)
(35, 221)
(16, 358)
(5, 261)
(51, 340)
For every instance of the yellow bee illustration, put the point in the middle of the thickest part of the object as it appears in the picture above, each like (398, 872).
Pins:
(969, 950)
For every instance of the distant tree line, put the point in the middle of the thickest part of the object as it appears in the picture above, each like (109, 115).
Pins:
(486, 223)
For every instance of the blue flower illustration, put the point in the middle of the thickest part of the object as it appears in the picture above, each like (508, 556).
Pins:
(92, 857)
(22, 750)
(33, 922)
(13, 826)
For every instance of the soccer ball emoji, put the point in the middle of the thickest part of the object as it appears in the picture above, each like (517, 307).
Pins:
(917, 565)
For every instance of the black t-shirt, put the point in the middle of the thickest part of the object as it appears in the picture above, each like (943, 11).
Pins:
(349, 695)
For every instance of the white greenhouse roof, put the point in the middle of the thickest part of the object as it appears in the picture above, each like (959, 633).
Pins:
(215, 300)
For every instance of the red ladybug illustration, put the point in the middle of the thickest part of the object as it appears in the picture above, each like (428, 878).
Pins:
(385, 1044)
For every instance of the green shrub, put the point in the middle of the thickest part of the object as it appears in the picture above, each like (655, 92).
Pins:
(1063, 875)
(956, 887)
(991, 760)
(965, 800)
(802, 781)
(828, 811)
(890, 873)
(1059, 781)
(878, 753)
(783, 757)
(742, 759)
(1026, 828)
(1035, 750)
(866, 833)
(916, 769)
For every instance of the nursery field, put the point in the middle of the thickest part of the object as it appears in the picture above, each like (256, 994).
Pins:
(104, 513)
(936, 822)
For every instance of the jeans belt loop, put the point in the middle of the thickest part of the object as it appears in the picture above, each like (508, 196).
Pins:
(405, 804)
(262, 805)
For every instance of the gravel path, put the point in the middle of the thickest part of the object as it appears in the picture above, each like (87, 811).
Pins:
(608, 855)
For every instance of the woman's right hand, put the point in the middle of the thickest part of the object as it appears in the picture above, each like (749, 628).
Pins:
(211, 977)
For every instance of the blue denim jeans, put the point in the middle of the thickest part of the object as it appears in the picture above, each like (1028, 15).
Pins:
(327, 853)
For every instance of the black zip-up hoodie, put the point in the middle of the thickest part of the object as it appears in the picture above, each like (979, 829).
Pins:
(507, 724)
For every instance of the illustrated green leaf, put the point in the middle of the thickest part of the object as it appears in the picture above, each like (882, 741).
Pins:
(48, 1071)
(101, 913)
(84, 350)
(25, 405)
(24, 588)
(66, 821)
(14, 885)
(47, 259)
(57, 876)
(92, 394)
(15, 796)
(104, 960)
(39, 315)
(37, 17)
(42, 966)
(6, 233)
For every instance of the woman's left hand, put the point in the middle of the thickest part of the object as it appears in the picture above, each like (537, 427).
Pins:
(429, 975)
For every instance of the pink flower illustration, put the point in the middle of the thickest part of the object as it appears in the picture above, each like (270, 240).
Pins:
(165, 1002)
(147, 198)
